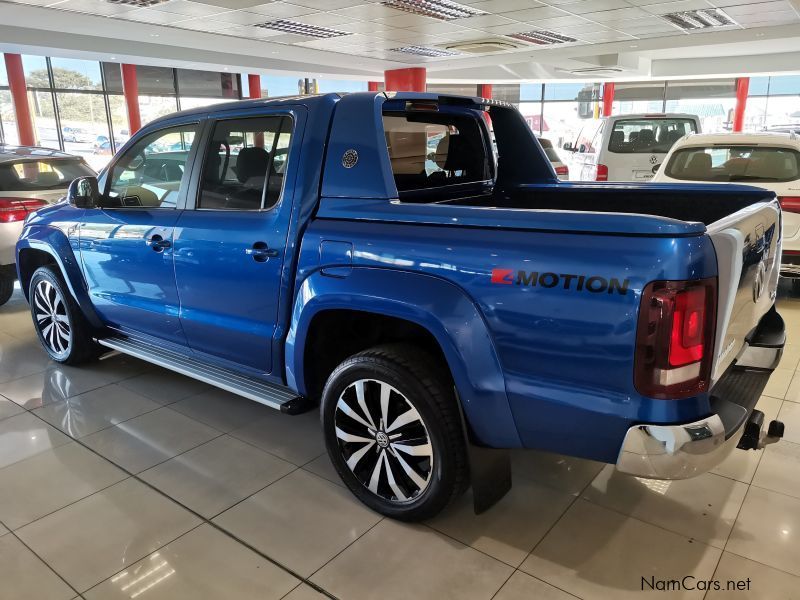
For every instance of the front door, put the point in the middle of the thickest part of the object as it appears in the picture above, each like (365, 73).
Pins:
(126, 243)
(229, 249)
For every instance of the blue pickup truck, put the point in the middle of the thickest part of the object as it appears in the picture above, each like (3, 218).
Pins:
(440, 300)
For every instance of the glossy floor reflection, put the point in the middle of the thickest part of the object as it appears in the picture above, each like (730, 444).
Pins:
(122, 480)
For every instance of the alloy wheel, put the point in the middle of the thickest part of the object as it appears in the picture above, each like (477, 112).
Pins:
(383, 440)
(50, 313)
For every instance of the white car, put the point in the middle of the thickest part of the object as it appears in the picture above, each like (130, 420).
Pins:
(626, 147)
(30, 178)
(767, 160)
(561, 169)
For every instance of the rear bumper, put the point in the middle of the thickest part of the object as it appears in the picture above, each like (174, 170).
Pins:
(790, 264)
(689, 449)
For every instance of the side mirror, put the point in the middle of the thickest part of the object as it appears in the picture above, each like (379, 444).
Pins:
(568, 147)
(582, 148)
(83, 192)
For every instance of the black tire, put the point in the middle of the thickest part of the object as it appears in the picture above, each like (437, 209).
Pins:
(6, 289)
(67, 337)
(796, 286)
(415, 386)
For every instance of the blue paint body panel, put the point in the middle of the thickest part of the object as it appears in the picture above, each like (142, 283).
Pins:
(536, 366)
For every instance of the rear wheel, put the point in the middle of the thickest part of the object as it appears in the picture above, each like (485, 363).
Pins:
(6, 289)
(393, 432)
(62, 329)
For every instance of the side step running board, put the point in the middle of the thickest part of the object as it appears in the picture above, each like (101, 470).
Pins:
(274, 396)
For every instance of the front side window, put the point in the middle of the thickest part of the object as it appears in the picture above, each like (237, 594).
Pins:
(648, 136)
(153, 172)
(434, 150)
(39, 175)
(246, 164)
(735, 163)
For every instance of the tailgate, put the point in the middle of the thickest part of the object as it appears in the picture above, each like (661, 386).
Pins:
(748, 250)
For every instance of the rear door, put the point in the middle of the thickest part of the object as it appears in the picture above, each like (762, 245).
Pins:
(636, 146)
(126, 243)
(230, 246)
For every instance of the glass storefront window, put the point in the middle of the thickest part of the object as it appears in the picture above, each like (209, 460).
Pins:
(190, 102)
(34, 66)
(561, 122)
(152, 107)
(71, 74)
(44, 118)
(208, 84)
(9, 119)
(532, 112)
(84, 126)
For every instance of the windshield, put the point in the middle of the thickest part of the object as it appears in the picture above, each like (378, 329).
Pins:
(735, 163)
(42, 174)
(648, 135)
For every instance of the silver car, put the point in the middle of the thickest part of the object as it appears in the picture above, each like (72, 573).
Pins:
(29, 179)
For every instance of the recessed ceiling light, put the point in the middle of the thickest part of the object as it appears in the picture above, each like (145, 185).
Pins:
(706, 18)
(634, 46)
(445, 10)
(302, 29)
(153, 35)
(424, 51)
(542, 37)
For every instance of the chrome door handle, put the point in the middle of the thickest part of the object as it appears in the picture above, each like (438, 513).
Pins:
(261, 252)
(158, 243)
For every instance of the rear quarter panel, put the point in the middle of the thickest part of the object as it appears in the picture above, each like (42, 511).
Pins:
(566, 354)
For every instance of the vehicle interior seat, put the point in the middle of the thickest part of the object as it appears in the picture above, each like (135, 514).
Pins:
(251, 172)
(616, 142)
(699, 166)
(645, 140)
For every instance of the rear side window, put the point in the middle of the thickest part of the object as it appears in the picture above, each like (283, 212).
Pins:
(245, 165)
(648, 136)
(735, 163)
(38, 175)
(430, 150)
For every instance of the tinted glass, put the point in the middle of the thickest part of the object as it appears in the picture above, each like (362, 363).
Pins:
(35, 175)
(648, 136)
(208, 84)
(434, 150)
(151, 173)
(246, 164)
(735, 163)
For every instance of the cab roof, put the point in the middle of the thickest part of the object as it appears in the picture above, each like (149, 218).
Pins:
(763, 137)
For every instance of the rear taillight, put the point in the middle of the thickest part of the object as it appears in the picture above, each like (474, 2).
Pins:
(16, 209)
(675, 338)
(562, 171)
(790, 203)
(602, 173)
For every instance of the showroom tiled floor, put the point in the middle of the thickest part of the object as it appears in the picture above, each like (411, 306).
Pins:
(122, 480)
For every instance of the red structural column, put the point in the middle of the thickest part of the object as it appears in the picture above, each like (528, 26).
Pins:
(130, 88)
(372, 86)
(608, 98)
(254, 83)
(19, 97)
(484, 90)
(742, 88)
(405, 80)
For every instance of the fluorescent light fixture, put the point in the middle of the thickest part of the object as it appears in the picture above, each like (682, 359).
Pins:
(302, 29)
(424, 51)
(705, 18)
(541, 37)
(438, 9)
(138, 3)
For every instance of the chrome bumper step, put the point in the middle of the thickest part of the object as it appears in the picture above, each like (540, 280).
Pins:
(274, 396)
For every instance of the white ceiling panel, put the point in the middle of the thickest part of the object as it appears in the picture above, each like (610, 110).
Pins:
(532, 14)
(323, 20)
(502, 6)
(280, 10)
(231, 4)
(759, 8)
(483, 21)
(192, 9)
(559, 22)
(327, 4)
(681, 5)
(618, 15)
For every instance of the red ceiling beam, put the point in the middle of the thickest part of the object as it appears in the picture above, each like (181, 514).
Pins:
(254, 83)
(19, 97)
(372, 86)
(742, 89)
(412, 79)
(484, 90)
(130, 89)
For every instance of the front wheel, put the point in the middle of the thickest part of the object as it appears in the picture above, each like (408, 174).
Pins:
(62, 329)
(393, 431)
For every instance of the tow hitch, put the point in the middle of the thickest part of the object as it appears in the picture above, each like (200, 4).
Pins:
(754, 437)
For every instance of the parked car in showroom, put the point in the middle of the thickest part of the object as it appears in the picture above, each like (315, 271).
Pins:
(561, 169)
(440, 313)
(30, 178)
(626, 147)
(768, 160)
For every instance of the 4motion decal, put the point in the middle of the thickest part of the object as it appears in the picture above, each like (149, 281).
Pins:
(567, 281)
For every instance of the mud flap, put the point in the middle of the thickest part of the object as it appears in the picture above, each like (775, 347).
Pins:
(489, 469)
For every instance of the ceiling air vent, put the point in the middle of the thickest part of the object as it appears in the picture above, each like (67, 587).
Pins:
(593, 71)
(543, 38)
(444, 10)
(424, 51)
(302, 29)
(482, 46)
(706, 18)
